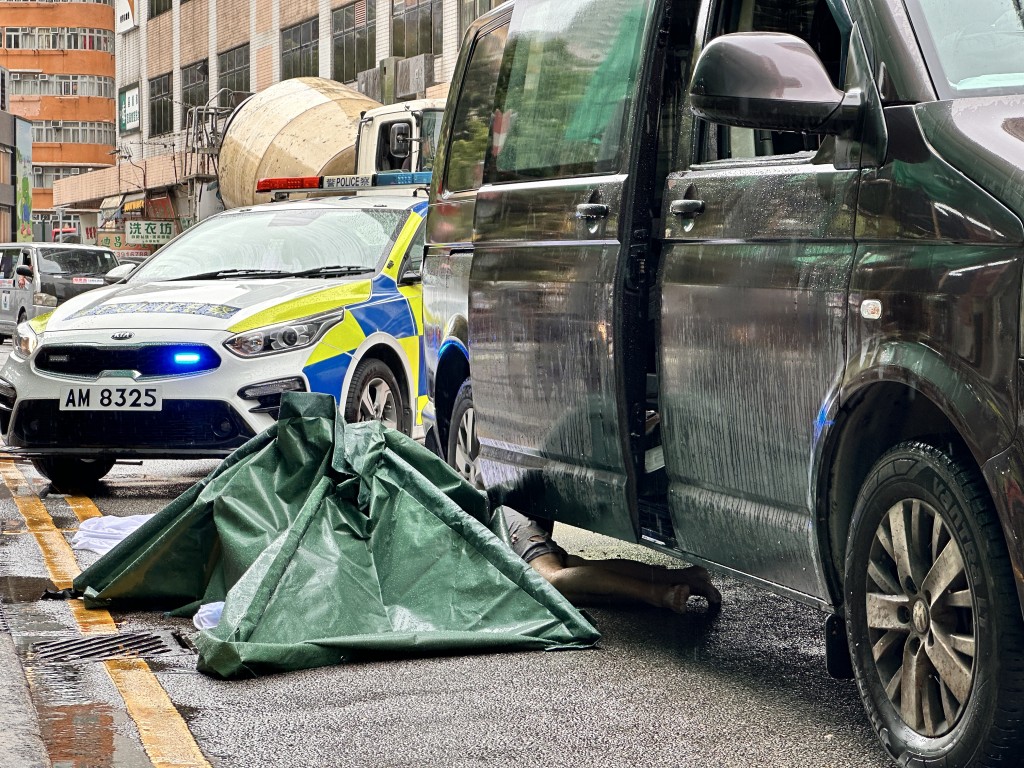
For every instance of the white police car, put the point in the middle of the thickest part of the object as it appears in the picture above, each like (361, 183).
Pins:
(188, 356)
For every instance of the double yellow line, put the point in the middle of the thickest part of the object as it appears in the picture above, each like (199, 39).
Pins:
(165, 736)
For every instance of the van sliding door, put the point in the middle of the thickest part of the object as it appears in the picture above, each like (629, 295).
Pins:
(547, 285)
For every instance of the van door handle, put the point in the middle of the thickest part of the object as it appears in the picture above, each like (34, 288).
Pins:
(688, 209)
(591, 211)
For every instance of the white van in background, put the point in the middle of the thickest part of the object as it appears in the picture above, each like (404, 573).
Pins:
(49, 274)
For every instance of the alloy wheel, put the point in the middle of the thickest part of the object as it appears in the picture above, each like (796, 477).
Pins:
(377, 403)
(921, 617)
(467, 449)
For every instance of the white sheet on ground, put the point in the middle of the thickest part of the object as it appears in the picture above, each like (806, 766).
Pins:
(208, 616)
(102, 534)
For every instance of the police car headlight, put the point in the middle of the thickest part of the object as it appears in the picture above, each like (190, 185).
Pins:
(25, 339)
(284, 337)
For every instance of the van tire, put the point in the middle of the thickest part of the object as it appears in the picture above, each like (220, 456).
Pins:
(463, 442)
(70, 474)
(375, 395)
(968, 705)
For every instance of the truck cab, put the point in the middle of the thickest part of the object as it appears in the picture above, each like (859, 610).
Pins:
(740, 280)
(399, 137)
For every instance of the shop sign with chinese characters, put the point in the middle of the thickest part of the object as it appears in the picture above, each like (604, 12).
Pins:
(148, 232)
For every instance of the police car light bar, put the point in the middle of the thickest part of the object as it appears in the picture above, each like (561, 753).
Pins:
(344, 183)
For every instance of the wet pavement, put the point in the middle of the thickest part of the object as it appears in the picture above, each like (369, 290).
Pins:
(747, 688)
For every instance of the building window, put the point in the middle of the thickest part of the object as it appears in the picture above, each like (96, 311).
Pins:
(161, 108)
(73, 132)
(300, 50)
(415, 27)
(233, 67)
(195, 87)
(49, 38)
(47, 174)
(29, 84)
(89, 40)
(470, 10)
(19, 37)
(354, 29)
(156, 7)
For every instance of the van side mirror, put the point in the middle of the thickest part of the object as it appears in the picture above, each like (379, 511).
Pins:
(400, 140)
(23, 270)
(770, 81)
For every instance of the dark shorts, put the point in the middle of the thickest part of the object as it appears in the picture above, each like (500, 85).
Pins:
(530, 539)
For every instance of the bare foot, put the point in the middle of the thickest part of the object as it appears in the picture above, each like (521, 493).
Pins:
(675, 598)
(698, 581)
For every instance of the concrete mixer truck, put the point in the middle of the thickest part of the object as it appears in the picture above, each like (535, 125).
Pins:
(311, 126)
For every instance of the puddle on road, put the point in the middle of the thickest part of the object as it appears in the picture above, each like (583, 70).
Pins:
(78, 730)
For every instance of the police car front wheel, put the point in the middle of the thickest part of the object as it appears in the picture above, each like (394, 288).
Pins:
(68, 474)
(376, 396)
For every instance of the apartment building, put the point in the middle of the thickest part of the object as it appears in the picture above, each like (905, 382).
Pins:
(15, 170)
(175, 55)
(60, 58)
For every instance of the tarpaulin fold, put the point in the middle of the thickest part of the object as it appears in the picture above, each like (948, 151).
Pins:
(327, 540)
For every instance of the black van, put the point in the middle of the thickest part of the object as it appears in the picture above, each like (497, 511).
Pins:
(741, 280)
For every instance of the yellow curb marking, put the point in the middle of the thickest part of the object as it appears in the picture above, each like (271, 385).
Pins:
(164, 734)
(83, 507)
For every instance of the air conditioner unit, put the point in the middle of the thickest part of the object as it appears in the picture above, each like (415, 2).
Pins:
(43, 76)
(75, 171)
(15, 75)
(57, 125)
(37, 170)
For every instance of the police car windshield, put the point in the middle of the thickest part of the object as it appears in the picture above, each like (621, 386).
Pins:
(268, 242)
(972, 52)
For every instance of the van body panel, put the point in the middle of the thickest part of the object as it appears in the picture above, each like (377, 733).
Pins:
(449, 249)
(753, 308)
(548, 345)
(983, 136)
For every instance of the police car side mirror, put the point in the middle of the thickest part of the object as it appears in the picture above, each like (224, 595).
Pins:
(120, 272)
(23, 270)
(769, 81)
(410, 277)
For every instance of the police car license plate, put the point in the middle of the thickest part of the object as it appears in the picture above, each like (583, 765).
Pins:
(112, 398)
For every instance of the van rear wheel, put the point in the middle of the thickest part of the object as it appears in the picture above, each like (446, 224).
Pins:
(463, 443)
(933, 620)
(69, 474)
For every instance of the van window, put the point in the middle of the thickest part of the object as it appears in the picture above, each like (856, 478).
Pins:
(71, 261)
(811, 21)
(8, 260)
(472, 120)
(430, 132)
(563, 98)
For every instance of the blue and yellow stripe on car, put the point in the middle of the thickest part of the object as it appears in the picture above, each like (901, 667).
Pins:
(374, 306)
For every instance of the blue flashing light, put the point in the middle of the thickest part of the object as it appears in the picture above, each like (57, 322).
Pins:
(401, 178)
(186, 358)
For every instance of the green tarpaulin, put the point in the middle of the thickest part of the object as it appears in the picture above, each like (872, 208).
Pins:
(326, 540)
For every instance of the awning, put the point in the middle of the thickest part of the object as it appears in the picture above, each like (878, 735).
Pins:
(134, 201)
(110, 204)
(109, 208)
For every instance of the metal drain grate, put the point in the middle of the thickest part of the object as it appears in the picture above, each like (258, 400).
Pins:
(4, 626)
(100, 647)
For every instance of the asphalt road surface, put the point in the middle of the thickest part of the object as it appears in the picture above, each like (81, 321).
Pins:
(748, 688)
